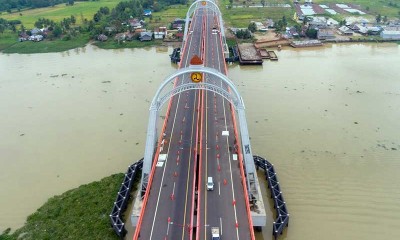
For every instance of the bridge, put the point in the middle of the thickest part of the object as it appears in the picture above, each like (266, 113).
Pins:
(204, 134)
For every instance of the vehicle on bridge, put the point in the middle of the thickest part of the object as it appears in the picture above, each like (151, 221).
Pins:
(210, 184)
(215, 233)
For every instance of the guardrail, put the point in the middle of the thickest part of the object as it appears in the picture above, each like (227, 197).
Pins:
(282, 219)
(122, 198)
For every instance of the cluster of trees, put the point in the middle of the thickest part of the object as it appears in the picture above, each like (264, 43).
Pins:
(379, 18)
(243, 34)
(281, 24)
(104, 21)
(11, 25)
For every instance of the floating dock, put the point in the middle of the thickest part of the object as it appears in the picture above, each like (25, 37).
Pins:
(268, 54)
(282, 214)
(308, 43)
(264, 53)
(248, 54)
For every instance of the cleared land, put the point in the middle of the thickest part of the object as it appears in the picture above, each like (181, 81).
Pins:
(80, 10)
(241, 17)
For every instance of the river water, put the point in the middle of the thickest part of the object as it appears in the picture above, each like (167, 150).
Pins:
(328, 118)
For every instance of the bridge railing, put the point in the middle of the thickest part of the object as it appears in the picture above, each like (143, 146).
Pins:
(282, 219)
(123, 196)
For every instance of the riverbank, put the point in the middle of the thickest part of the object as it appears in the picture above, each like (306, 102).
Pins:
(80, 213)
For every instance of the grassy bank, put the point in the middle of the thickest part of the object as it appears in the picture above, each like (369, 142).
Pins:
(80, 10)
(58, 45)
(7, 39)
(80, 213)
(111, 44)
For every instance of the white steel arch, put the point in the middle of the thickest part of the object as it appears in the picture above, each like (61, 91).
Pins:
(198, 4)
(232, 96)
(209, 4)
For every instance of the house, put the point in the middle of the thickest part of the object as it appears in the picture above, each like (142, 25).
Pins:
(345, 31)
(129, 36)
(324, 34)
(308, 2)
(146, 36)
(318, 22)
(159, 34)
(179, 35)
(23, 37)
(36, 31)
(269, 23)
(120, 37)
(179, 21)
(362, 30)
(110, 29)
(36, 38)
(292, 32)
(136, 23)
(102, 37)
(373, 30)
(390, 34)
(147, 12)
(354, 27)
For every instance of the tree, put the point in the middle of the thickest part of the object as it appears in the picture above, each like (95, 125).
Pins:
(57, 31)
(385, 19)
(378, 18)
(252, 27)
(263, 3)
(311, 33)
(73, 19)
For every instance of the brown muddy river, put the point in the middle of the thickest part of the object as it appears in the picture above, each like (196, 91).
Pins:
(328, 118)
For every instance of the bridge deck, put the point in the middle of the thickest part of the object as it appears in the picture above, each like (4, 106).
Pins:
(199, 142)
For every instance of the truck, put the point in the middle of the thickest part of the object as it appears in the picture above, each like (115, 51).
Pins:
(215, 233)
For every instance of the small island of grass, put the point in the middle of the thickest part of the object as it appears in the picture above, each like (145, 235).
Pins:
(81, 213)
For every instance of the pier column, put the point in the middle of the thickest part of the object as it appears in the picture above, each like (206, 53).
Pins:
(149, 149)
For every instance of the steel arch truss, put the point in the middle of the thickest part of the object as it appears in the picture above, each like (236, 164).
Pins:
(209, 4)
(198, 5)
(202, 86)
(230, 93)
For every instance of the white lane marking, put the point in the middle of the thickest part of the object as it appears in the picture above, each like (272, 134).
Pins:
(162, 178)
(169, 145)
(173, 190)
(220, 224)
(168, 228)
(219, 188)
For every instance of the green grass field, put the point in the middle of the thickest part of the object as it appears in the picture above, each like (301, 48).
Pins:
(7, 39)
(375, 7)
(169, 14)
(241, 17)
(58, 12)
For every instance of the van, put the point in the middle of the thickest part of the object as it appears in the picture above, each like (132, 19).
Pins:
(210, 184)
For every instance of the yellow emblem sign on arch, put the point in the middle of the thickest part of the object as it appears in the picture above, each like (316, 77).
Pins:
(196, 77)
